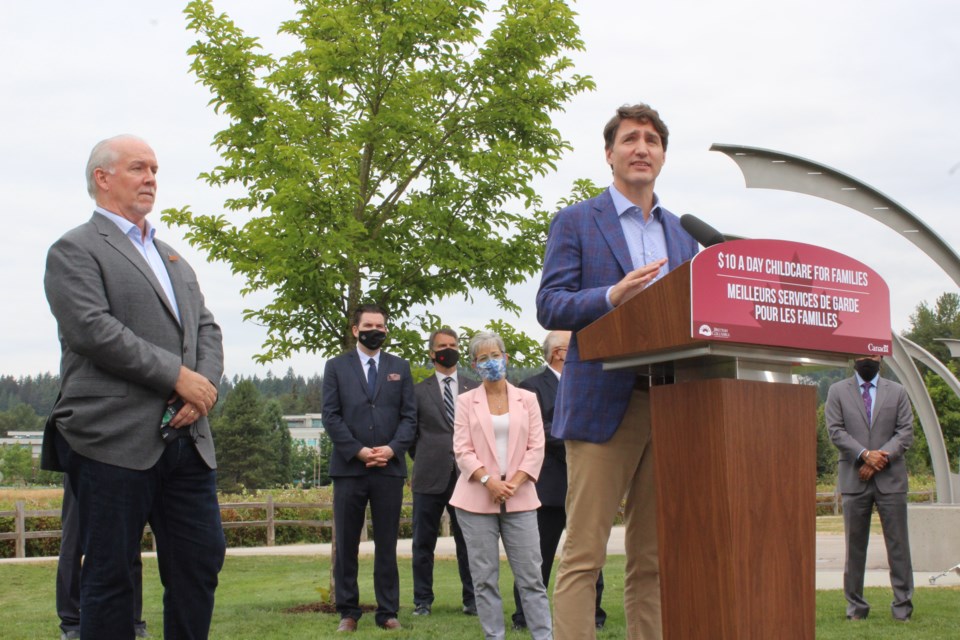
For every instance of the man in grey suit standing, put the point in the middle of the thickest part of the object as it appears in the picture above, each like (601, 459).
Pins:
(137, 343)
(871, 422)
(370, 414)
(435, 470)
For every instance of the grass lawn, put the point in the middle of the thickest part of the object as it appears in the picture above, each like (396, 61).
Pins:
(255, 592)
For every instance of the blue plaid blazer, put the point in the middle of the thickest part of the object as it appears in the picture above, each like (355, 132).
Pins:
(587, 254)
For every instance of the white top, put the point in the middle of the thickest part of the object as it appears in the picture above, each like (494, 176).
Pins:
(501, 432)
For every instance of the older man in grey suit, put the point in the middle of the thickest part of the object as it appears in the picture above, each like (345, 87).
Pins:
(138, 348)
(871, 422)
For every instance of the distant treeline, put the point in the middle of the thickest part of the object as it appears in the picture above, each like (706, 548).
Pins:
(296, 393)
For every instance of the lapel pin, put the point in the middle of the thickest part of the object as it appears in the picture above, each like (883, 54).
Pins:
(173, 257)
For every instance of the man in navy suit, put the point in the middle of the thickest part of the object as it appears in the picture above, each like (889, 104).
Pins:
(370, 414)
(600, 253)
(552, 483)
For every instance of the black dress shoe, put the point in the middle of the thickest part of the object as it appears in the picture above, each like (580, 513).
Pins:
(470, 609)
(422, 610)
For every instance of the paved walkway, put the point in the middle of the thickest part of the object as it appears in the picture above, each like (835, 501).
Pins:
(830, 551)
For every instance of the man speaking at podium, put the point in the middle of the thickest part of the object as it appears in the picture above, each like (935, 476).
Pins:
(600, 253)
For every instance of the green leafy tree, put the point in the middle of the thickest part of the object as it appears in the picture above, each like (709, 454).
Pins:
(947, 406)
(388, 158)
(306, 466)
(313, 395)
(16, 464)
(826, 453)
(282, 442)
(942, 320)
(21, 417)
(927, 323)
(246, 445)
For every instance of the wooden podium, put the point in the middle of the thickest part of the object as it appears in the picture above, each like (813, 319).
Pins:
(735, 452)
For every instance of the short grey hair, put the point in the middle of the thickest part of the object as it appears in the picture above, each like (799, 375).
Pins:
(548, 344)
(482, 339)
(103, 156)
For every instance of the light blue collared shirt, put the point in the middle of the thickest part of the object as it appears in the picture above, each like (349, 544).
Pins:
(148, 250)
(873, 397)
(646, 239)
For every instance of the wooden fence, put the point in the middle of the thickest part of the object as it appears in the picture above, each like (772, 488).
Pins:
(20, 515)
(830, 501)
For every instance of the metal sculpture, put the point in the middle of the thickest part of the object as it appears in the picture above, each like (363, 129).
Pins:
(767, 169)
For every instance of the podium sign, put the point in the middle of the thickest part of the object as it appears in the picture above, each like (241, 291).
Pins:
(788, 294)
(734, 450)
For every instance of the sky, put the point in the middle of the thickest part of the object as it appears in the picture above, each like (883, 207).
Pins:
(867, 87)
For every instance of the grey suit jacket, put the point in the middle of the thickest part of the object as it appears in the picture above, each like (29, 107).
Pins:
(353, 420)
(891, 430)
(122, 346)
(433, 448)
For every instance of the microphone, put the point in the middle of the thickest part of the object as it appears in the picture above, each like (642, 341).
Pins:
(700, 230)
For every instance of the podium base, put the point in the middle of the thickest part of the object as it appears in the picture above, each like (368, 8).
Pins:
(736, 491)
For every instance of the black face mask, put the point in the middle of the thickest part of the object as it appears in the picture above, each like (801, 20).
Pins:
(446, 357)
(867, 369)
(372, 339)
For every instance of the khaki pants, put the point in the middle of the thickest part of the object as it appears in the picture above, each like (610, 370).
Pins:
(599, 476)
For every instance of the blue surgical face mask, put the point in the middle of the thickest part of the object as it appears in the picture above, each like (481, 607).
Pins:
(493, 369)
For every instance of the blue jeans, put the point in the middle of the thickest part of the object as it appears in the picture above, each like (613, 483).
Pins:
(178, 497)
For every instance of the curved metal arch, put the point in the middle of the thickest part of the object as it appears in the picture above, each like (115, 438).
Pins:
(767, 169)
(902, 363)
(953, 344)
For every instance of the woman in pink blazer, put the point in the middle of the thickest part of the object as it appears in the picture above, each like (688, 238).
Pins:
(498, 441)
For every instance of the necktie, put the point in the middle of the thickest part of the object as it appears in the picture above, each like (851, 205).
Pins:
(372, 376)
(448, 400)
(867, 402)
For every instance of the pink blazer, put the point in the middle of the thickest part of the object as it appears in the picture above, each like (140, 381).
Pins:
(474, 446)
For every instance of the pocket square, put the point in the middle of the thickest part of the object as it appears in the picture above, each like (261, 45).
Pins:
(393, 377)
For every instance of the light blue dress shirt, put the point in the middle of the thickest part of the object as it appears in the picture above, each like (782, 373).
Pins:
(873, 397)
(646, 239)
(148, 250)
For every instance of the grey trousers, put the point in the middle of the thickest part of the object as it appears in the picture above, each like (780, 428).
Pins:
(521, 540)
(857, 510)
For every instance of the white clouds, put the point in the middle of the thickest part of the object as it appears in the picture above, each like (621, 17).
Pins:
(865, 87)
